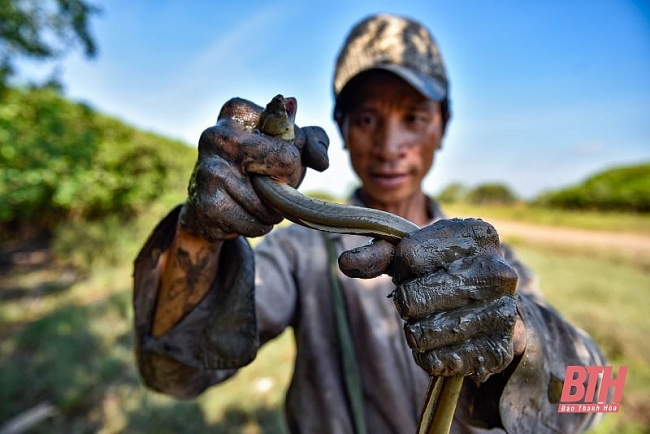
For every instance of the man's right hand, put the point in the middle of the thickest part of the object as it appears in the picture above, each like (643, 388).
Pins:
(222, 203)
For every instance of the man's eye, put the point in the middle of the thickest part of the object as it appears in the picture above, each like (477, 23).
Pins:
(365, 120)
(417, 118)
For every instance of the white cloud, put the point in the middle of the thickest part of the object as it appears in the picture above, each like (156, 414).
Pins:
(228, 52)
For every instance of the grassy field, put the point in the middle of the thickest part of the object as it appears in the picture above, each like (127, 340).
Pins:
(589, 220)
(66, 342)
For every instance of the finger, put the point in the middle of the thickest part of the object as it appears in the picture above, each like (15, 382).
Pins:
(314, 150)
(251, 152)
(478, 358)
(440, 244)
(460, 325)
(223, 195)
(241, 111)
(367, 261)
(264, 155)
(221, 215)
(242, 192)
(477, 279)
(234, 218)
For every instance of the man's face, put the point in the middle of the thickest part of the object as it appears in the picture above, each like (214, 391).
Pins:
(392, 133)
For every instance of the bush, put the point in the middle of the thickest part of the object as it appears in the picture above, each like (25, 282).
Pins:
(619, 189)
(453, 193)
(62, 161)
(491, 194)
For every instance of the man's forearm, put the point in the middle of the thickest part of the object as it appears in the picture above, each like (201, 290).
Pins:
(192, 301)
(189, 267)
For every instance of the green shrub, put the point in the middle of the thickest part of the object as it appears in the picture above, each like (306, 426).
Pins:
(453, 193)
(618, 189)
(63, 162)
(491, 194)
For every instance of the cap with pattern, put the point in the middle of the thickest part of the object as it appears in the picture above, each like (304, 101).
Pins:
(396, 44)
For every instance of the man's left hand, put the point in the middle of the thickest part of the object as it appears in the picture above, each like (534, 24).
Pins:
(454, 291)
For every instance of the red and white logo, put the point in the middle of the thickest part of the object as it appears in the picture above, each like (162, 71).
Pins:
(580, 394)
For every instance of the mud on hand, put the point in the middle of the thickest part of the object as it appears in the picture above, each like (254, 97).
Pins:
(454, 291)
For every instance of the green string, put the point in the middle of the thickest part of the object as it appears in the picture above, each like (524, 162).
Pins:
(351, 375)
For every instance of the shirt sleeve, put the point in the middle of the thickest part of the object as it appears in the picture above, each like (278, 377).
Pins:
(532, 393)
(218, 336)
(526, 394)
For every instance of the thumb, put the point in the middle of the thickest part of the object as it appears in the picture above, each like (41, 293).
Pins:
(367, 261)
(314, 144)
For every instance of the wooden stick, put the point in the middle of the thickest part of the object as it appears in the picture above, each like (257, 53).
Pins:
(439, 405)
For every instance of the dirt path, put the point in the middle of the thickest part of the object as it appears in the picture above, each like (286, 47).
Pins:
(617, 242)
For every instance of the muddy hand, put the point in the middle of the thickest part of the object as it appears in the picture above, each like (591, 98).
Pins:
(454, 292)
(221, 200)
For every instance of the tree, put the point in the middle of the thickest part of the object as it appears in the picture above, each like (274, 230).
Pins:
(453, 193)
(491, 194)
(624, 188)
(42, 30)
(63, 162)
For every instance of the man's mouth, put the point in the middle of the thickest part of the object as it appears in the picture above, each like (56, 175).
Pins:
(388, 180)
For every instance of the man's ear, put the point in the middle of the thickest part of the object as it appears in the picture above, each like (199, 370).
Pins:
(342, 122)
(445, 108)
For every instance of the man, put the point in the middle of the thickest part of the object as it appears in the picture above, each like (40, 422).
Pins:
(464, 303)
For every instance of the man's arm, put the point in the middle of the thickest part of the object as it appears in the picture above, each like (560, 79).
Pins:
(531, 395)
(170, 329)
(188, 268)
(526, 393)
(470, 310)
(194, 278)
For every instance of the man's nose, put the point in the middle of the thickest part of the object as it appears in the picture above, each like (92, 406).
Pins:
(390, 140)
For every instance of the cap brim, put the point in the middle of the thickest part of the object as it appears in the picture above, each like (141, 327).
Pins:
(427, 86)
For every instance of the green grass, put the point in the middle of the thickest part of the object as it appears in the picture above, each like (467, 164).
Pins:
(70, 344)
(77, 354)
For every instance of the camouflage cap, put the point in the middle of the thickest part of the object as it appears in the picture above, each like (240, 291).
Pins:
(396, 44)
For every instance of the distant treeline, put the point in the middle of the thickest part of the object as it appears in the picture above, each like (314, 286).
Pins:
(62, 161)
(617, 189)
(484, 194)
(624, 188)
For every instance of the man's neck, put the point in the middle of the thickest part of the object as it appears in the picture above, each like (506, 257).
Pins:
(415, 208)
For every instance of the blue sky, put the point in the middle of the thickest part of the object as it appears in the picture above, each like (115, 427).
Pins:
(543, 93)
